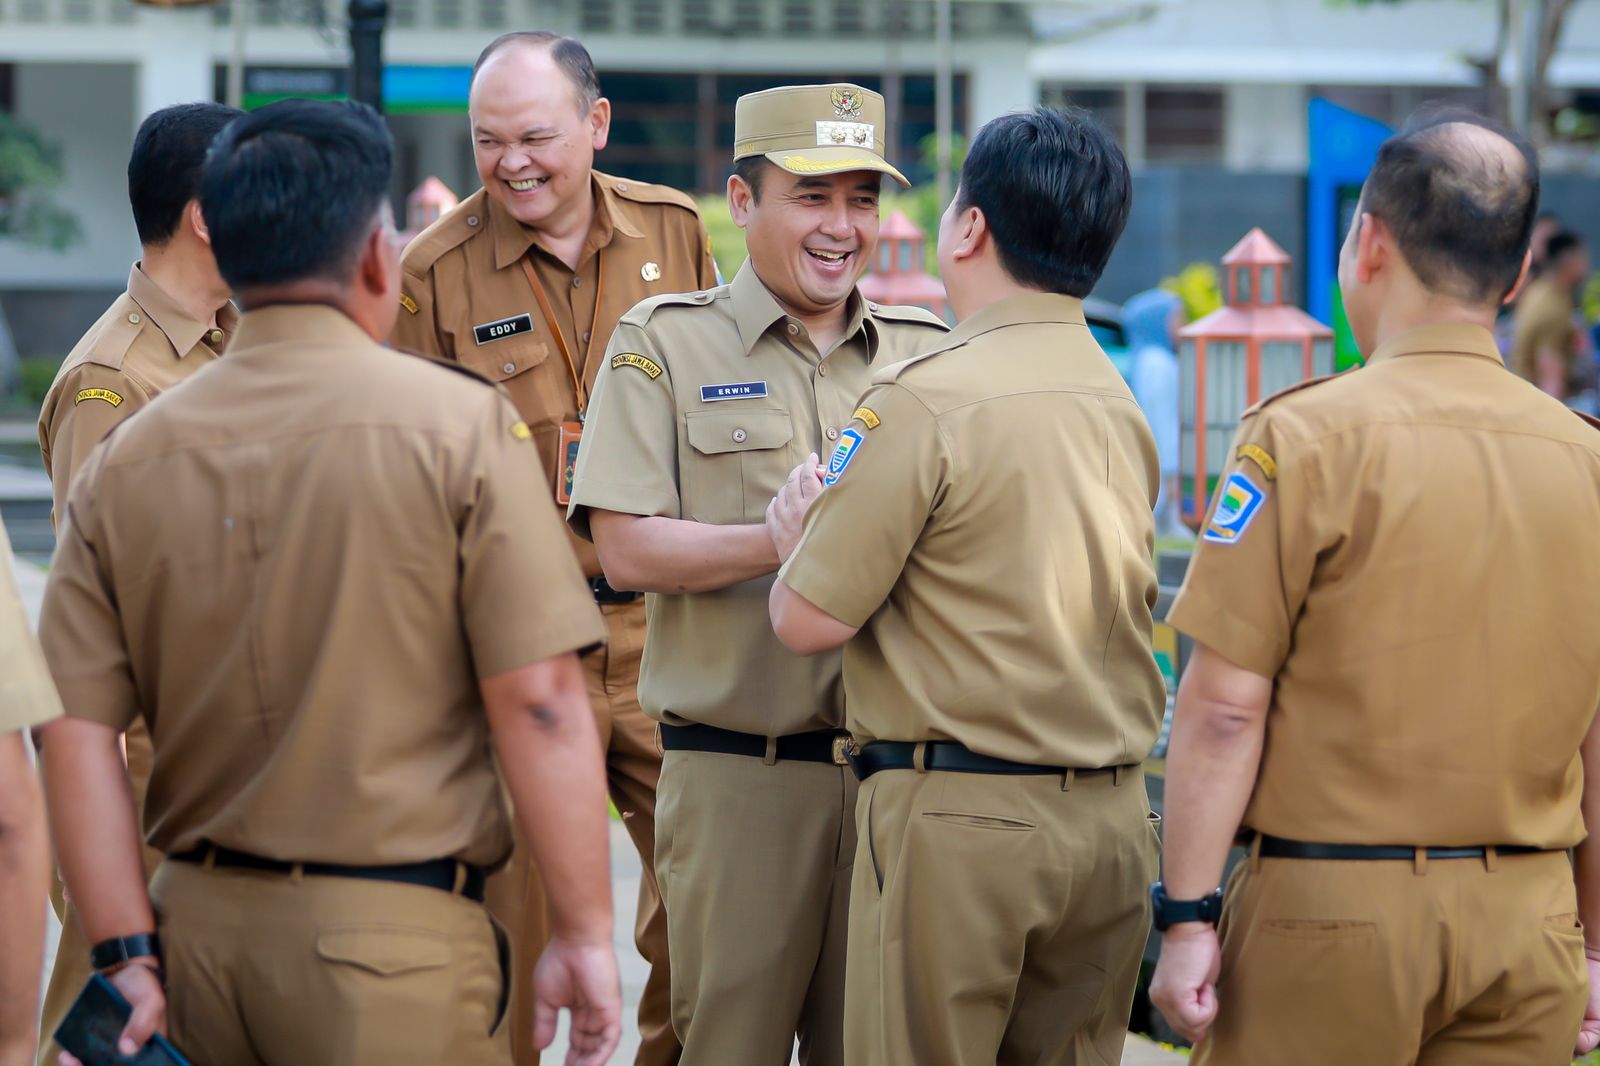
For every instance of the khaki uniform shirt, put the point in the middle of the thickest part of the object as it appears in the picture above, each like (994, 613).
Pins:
(1412, 552)
(1543, 322)
(27, 697)
(296, 568)
(990, 531)
(466, 297)
(705, 404)
(144, 344)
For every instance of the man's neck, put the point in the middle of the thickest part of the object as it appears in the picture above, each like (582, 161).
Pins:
(1402, 317)
(984, 289)
(192, 285)
(564, 235)
(825, 328)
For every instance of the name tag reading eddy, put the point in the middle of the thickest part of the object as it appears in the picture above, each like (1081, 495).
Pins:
(503, 328)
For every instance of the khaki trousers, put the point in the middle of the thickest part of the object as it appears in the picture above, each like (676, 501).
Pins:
(71, 970)
(269, 969)
(516, 896)
(997, 920)
(1453, 962)
(754, 864)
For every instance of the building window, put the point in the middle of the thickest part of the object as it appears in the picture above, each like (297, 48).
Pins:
(1184, 124)
(1108, 105)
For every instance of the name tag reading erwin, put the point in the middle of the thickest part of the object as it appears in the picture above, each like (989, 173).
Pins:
(505, 327)
(739, 390)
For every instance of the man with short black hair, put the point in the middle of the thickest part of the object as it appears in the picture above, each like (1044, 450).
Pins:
(1396, 670)
(315, 573)
(982, 550)
(173, 319)
(524, 282)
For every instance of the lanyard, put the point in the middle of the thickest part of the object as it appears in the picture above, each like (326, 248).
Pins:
(555, 327)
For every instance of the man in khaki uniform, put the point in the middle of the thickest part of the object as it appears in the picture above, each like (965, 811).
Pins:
(314, 573)
(1545, 341)
(706, 402)
(27, 698)
(1393, 604)
(174, 319)
(982, 549)
(524, 282)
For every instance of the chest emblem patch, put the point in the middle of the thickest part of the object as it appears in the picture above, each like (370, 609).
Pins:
(738, 390)
(849, 443)
(1240, 503)
(502, 328)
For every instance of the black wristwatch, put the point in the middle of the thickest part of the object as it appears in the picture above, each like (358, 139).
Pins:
(1165, 912)
(119, 949)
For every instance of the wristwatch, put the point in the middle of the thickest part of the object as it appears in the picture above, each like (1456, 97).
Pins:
(119, 949)
(1167, 912)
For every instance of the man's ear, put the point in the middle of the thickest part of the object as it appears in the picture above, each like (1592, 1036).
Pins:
(740, 199)
(972, 234)
(1522, 277)
(600, 123)
(196, 221)
(1374, 245)
(374, 269)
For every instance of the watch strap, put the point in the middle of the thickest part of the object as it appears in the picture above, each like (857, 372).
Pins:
(1167, 912)
(119, 949)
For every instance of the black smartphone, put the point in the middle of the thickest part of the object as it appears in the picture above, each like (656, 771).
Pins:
(91, 1028)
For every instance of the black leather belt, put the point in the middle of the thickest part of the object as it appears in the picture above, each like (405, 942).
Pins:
(948, 755)
(604, 593)
(1278, 848)
(823, 745)
(438, 873)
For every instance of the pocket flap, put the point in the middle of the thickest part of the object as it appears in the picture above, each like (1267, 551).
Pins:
(386, 950)
(716, 432)
(505, 359)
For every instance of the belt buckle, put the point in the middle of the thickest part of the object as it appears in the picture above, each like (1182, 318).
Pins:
(844, 746)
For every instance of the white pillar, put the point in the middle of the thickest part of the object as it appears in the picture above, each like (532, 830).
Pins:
(175, 66)
(998, 80)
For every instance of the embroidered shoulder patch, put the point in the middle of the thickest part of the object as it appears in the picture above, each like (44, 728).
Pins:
(849, 443)
(1259, 456)
(408, 303)
(1237, 508)
(634, 359)
(98, 394)
(868, 417)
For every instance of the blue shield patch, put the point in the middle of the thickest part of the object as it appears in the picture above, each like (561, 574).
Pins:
(1240, 502)
(849, 441)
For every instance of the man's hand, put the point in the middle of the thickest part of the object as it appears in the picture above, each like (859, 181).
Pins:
(786, 514)
(140, 988)
(1184, 988)
(1589, 1031)
(583, 979)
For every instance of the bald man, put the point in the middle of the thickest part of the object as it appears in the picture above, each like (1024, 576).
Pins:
(524, 282)
(1396, 671)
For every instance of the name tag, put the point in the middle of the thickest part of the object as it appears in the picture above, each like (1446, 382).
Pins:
(739, 390)
(505, 327)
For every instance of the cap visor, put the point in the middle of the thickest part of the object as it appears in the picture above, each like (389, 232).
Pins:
(830, 160)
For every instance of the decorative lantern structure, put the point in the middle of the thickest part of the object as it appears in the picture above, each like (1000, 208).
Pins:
(896, 275)
(425, 205)
(1248, 349)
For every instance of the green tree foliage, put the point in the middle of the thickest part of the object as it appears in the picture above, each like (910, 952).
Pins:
(29, 167)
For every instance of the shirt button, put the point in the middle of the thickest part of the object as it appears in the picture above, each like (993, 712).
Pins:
(622, 186)
(793, 329)
(822, 371)
(833, 434)
(577, 283)
(472, 220)
(510, 368)
(739, 436)
(216, 336)
(134, 318)
(586, 336)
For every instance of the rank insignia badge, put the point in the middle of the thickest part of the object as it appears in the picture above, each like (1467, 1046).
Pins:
(1237, 508)
(847, 103)
(849, 442)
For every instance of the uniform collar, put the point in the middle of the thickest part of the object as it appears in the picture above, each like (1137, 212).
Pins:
(612, 216)
(301, 325)
(755, 310)
(182, 331)
(1441, 338)
(1014, 311)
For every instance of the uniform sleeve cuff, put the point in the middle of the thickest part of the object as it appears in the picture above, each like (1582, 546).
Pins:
(825, 590)
(1220, 628)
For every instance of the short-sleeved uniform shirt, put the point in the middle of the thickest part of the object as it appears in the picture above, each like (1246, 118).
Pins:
(144, 344)
(1543, 322)
(296, 568)
(466, 297)
(706, 403)
(1411, 551)
(27, 696)
(988, 527)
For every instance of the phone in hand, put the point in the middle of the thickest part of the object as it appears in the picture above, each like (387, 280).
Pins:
(91, 1028)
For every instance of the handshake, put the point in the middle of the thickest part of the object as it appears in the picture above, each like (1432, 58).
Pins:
(786, 514)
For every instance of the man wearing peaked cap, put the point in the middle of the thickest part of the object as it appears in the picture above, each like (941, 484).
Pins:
(707, 403)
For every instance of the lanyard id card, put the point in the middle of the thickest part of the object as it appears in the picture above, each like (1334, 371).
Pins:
(567, 460)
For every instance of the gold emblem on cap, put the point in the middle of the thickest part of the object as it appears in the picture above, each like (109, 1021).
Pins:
(650, 272)
(846, 103)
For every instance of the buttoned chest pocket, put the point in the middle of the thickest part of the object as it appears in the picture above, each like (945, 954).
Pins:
(737, 462)
(522, 363)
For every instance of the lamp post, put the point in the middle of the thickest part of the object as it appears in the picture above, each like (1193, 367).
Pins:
(367, 20)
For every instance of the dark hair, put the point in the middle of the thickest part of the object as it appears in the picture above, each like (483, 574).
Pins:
(1560, 244)
(570, 55)
(751, 170)
(290, 191)
(164, 169)
(1055, 191)
(1461, 214)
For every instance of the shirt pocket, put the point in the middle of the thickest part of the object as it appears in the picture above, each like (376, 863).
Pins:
(505, 360)
(737, 462)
